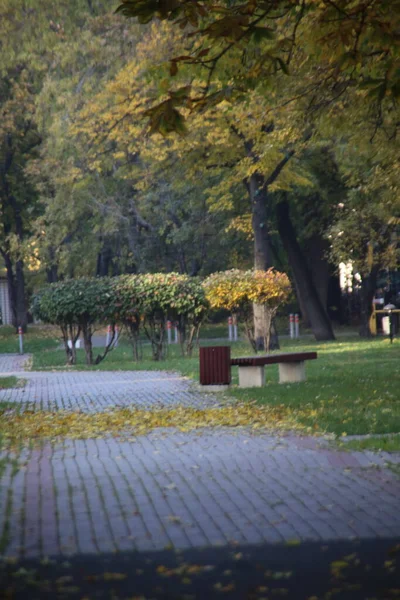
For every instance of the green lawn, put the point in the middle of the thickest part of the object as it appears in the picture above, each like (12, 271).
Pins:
(8, 382)
(38, 338)
(385, 444)
(353, 387)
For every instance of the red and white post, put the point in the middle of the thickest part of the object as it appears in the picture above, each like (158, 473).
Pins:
(296, 326)
(21, 340)
(291, 325)
(169, 331)
(230, 328)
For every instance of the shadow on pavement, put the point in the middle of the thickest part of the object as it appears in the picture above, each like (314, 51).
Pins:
(367, 569)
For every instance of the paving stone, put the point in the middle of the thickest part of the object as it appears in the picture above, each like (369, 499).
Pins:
(181, 489)
(68, 390)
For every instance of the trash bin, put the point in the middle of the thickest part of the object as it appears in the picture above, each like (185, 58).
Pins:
(215, 365)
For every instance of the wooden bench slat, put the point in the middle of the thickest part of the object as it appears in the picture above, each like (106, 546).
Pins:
(258, 361)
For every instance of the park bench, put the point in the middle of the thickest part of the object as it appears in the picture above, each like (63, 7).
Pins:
(291, 367)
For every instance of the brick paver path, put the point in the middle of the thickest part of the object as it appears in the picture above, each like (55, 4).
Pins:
(98, 391)
(182, 489)
(12, 362)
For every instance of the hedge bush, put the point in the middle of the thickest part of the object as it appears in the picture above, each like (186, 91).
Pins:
(149, 301)
(75, 305)
(136, 301)
(237, 291)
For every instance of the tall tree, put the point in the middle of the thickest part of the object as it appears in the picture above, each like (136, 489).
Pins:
(19, 140)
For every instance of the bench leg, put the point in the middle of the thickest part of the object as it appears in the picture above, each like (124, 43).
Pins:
(292, 372)
(251, 377)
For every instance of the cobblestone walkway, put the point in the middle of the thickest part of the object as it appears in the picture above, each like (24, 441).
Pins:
(97, 391)
(182, 489)
(10, 363)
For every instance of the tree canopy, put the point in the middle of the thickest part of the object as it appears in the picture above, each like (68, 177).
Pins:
(196, 137)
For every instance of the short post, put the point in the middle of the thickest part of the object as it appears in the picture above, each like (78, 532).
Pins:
(230, 328)
(176, 333)
(291, 325)
(169, 331)
(21, 340)
(296, 326)
(108, 335)
(235, 329)
(116, 336)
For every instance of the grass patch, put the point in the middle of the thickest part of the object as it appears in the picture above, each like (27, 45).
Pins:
(353, 388)
(8, 382)
(375, 443)
(39, 337)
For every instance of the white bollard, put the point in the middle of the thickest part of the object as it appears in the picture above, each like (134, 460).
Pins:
(291, 325)
(296, 326)
(176, 334)
(169, 331)
(230, 328)
(21, 340)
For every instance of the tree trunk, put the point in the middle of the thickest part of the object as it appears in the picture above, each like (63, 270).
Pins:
(52, 270)
(104, 258)
(316, 249)
(87, 342)
(368, 288)
(12, 292)
(21, 311)
(320, 323)
(16, 279)
(305, 319)
(259, 206)
(262, 256)
(16, 291)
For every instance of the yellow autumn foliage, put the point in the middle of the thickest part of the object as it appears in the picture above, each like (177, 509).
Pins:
(234, 289)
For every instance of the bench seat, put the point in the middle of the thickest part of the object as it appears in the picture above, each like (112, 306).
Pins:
(291, 367)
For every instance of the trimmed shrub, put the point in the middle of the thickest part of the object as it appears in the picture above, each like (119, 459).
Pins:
(237, 291)
(75, 305)
(150, 300)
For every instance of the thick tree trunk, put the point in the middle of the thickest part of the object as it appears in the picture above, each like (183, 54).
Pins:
(259, 205)
(262, 256)
(22, 314)
(316, 249)
(368, 288)
(87, 343)
(52, 274)
(12, 292)
(104, 258)
(320, 323)
(16, 279)
(305, 320)
(16, 291)
(52, 271)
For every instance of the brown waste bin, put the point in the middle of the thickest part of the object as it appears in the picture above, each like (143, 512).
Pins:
(215, 365)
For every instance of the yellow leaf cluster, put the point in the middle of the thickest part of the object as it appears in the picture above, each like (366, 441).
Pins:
(234, 289)
(34, 426)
